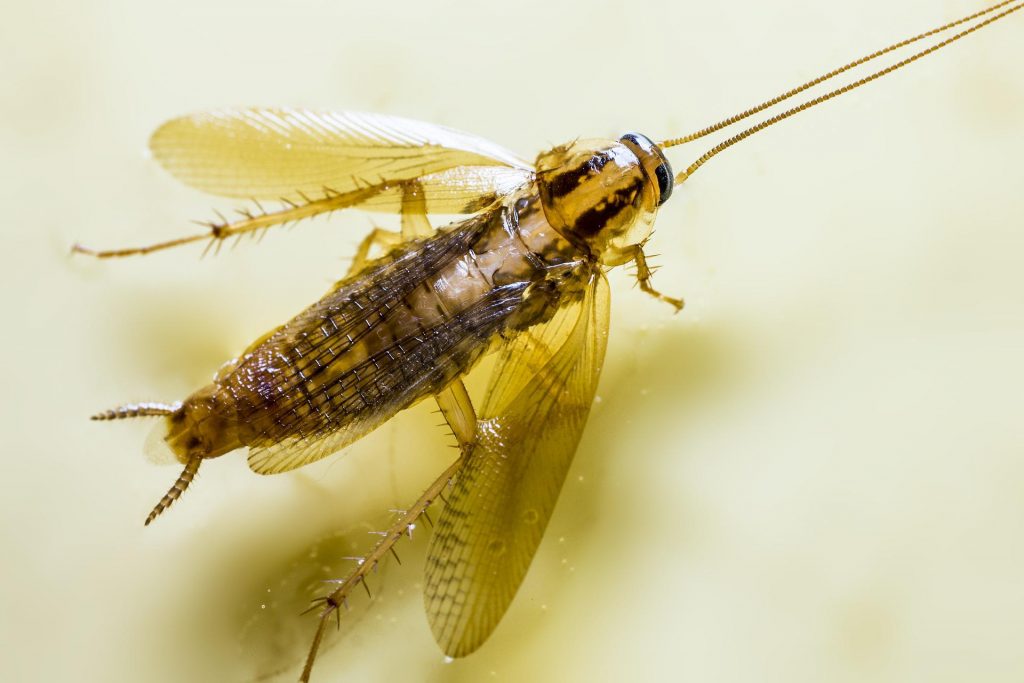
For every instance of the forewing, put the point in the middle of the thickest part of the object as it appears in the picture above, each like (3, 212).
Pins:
(362, 353)
(535, 411)
(298, 154)
(312, 423)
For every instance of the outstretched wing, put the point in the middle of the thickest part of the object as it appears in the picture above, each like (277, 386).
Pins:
(298, 154)
(534, 413)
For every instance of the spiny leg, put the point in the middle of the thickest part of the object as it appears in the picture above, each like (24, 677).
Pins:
(338, 597)
(457, 409)
(643, 277)
(250, 222)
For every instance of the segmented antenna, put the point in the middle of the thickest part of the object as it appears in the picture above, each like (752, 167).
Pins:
(146, 409)
(1008, 7)
(184, 479)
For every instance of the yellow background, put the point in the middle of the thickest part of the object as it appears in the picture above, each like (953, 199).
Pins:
(814, 473)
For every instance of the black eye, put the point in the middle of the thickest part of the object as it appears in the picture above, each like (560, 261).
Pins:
(666, 181)
(643, 147)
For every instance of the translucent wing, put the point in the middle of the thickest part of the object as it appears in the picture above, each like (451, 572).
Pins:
(459, 190)
(297, 154)
(536, 407)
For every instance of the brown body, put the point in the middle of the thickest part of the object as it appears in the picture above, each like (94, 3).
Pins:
(407, 325)
(400, 330)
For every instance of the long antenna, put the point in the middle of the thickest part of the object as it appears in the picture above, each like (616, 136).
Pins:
(1014, 5)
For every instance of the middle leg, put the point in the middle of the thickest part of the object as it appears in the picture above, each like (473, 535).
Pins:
(415, 225)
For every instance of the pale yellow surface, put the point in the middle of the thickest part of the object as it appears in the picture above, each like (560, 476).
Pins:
(814, 473)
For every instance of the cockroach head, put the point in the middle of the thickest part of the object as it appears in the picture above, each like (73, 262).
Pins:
(603, 194)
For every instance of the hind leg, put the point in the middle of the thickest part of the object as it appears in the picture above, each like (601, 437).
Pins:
(458, 411)
(250, 222)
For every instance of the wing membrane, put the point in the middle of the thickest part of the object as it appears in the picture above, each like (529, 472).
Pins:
(298, 154)
(534, 414)
(459, 190)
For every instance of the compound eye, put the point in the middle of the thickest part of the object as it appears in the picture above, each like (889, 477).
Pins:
(666, 181)
(650, 153)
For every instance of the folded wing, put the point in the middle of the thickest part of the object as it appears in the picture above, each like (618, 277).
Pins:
(351, 361)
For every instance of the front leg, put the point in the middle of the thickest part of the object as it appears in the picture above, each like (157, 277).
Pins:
(643, 277)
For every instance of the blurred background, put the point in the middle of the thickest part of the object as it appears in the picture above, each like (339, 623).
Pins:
(814, 472)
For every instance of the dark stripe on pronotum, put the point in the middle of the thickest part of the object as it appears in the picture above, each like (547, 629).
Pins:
(593, 220)
(567, 181)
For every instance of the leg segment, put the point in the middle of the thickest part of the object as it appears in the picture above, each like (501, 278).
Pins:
(458, 411)
(331, 603)
(415, 223)
(218, 231)
(414, 219)
(643, 277)
(378, 238)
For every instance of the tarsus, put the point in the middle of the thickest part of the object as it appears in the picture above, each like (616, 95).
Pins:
(386, 544)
